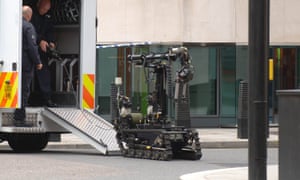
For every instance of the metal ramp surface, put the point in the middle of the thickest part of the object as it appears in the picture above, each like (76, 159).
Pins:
(88, 126)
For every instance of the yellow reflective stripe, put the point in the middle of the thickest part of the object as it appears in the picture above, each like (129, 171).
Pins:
(271, 69)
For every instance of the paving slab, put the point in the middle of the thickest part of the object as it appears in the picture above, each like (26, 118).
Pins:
(240, 173)
(209, 138)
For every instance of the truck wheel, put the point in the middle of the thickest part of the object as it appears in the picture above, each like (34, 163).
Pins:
(27, 142)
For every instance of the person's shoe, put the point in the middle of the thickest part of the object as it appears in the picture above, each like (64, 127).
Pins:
(22, 124)
(51, 104)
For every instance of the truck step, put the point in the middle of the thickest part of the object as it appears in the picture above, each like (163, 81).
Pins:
(24, 130)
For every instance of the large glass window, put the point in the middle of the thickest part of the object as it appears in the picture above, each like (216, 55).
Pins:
(241, 67)
(241, 63)
(213, 90)
(139, 88)
(298, 68)
(203, 87)
(106, 70)
(143, 79)
(227, 81)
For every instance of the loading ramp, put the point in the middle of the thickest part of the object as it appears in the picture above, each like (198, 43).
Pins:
(88, 126)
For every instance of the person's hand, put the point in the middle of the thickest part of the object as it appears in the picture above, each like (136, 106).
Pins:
(44, 45)
(52, 45)
(39, 66)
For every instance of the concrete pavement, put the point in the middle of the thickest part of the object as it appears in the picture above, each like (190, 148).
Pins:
(227, 138)
(240, 173)
(209, 138)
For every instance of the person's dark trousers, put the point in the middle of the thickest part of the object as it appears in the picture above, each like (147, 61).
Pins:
(44, 79)
(20, 113)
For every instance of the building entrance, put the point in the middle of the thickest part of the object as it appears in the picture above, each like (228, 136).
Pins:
(285, 68)
(285, 76)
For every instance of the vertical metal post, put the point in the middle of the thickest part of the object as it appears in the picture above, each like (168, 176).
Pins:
(258, 48)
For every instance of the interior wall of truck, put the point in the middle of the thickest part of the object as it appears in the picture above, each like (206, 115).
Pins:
(63, 61)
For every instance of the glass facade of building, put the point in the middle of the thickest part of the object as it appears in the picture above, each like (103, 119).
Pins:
(214, 89)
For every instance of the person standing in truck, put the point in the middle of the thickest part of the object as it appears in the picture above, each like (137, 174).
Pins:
(42, 22)
(30, 61)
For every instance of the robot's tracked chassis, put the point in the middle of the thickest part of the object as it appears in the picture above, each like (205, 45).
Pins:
(160, 144)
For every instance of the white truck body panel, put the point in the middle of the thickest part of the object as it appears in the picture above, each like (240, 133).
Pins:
(11, 47)
(88, 43)
(11, 40)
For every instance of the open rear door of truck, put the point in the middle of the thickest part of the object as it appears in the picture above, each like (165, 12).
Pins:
(10, 53)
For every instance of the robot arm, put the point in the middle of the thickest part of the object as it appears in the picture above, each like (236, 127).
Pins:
(186, 72)
(162, 61)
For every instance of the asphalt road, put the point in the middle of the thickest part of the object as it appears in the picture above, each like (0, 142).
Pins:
(88, 164)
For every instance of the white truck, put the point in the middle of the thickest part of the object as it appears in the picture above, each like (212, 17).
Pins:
(74, 79)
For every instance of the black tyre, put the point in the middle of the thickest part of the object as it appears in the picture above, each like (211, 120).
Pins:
(28, 142)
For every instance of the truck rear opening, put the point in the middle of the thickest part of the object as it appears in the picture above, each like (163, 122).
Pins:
(72, 69)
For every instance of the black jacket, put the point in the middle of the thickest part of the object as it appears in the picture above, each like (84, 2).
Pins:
(30, 54)
(43, 26)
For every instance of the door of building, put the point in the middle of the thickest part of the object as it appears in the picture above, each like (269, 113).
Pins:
(285, 76)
